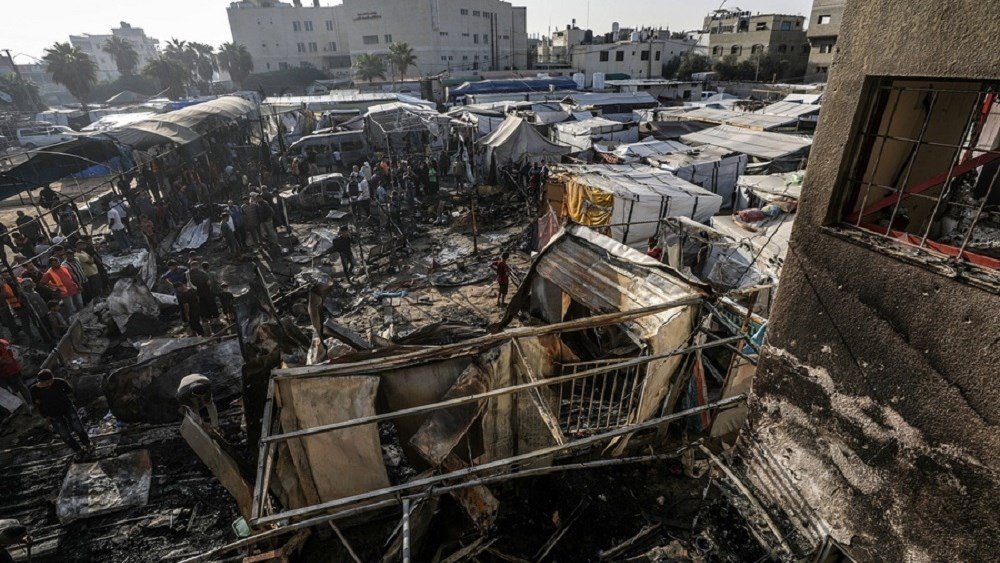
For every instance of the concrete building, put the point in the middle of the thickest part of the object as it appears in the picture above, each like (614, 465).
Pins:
(824, 28)
(747, 35)
(872, 426)
(146, 47)
(448, 35)
(643, 57)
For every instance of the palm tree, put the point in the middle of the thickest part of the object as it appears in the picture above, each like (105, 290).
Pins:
(72, 68)
(369, 67)
(401, 56)
(178, 50)
(126, 59)
(23, 94)
(236, 60)
(171, 75)
(204, 63)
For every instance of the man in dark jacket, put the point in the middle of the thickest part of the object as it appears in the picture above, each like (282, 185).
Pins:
(53, 397)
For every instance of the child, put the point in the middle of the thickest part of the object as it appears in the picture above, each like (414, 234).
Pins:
(503, 277)
(56, 320)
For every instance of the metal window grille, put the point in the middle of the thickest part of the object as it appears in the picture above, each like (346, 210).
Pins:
(592, 404)
(926, 166)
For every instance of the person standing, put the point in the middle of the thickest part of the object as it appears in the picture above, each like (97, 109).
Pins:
(53, 397)
(228, 229)
(265, 218)
(60, 280)
(202, 283)
(17, 306)
(28, 226)
(39, 310)
(10, 373)
(187, 298)
(117, 226)
(342, 245)
(56, 321)
(195, 394)
(92, 285)
(502, 270)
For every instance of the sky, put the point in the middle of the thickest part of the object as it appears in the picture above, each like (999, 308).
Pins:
(29, 27)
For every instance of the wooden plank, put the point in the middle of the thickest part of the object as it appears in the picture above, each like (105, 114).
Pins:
(219, 463)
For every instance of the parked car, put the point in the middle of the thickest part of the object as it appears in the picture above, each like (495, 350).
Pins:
(325, 190)
(37, 136)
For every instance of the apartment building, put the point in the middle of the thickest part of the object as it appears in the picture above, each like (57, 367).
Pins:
(107, 70)
(824, 29)
(445, 35)
(872, 430)
(746, 35)
(639, 58)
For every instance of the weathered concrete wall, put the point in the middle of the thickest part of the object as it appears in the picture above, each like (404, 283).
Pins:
(875, 410)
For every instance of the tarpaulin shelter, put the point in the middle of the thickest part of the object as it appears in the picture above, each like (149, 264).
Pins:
(627, 153)
(627, 199)
(713, 168)
(785, 152)
(580, 135)
(184, 125)
(516, 140)
(511, 85)
(82, 157)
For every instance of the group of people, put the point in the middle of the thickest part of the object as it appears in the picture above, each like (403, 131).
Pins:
(201, 294)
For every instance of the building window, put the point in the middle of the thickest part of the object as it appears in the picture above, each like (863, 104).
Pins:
(331, 46)
(486, 38)
(822, 69)
(443, 33)
(756, 49)
(451, 57)
(823, 20)
(602, 56)
(444, 58)
(312, 47)
(370, 39)
(782, 48)
(786, 26)
(657, 55)
(268, 66)
(826, 48)
(388, 38)
(465, 57)
(296, 26)
(736, 50)
(717, 50)
(925, 168)
(475, 13)
(464, 12)
(475, 38)
(644, 56)
(329, 25)
(308, 26)
(619, 56)
(283, 66)
(301, 47)
(465, 35)
(761, 26)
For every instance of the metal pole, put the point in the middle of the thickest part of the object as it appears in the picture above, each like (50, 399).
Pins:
(406, 530)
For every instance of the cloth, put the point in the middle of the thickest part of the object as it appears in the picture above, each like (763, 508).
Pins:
(54, 400)
(9, 367)
(115, 219)
(88, 264)
(751, 215)
(193, 383)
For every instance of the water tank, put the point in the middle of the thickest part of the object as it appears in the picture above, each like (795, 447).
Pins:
(614, 31)
(598, 81)
(580, 79)
(635, 36)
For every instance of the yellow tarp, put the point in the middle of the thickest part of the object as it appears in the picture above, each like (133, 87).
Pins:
(588, 205)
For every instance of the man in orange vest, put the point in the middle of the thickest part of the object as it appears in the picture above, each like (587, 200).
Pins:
(60, 279)
(20, 309)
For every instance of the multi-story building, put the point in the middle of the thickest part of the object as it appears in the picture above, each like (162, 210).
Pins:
(448, 35)
(641, 57)
(873, 420)
(747, 35)
(93, 45)
(824, 28)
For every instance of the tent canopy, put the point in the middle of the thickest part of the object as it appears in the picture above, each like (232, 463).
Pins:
(760, 144)
(83, 156)
(184, 125)
(515, 138)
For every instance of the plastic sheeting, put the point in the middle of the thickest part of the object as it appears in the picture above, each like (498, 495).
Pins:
(760, 144)
(716, 170)
(516, 139)
(634, 152)
(512, 85)
(580, 135)
(639, 196)
(193, 235)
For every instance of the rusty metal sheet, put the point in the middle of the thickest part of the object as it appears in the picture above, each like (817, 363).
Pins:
(477, 502)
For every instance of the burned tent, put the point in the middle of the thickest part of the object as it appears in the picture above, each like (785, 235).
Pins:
(517, 140)
(185, 125)
(626, 200)
(82, 157)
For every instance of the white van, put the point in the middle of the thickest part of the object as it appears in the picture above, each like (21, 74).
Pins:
(43, 135)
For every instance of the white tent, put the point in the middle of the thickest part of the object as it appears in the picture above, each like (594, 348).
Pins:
(640, 195)
(516, 139)
(713, 168)
(635, 152)
(580, 135)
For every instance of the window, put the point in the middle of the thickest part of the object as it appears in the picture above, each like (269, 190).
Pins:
(465, 57)
(312, 47)
(370, 39)
(736, 50)
(465, 35)
(464, 12)
(331, 46)
(756, 49)
(283, 66)
(476, 57)
(657, 55)
(444, 58)
(301, 46)
(761, 26)
(619, 56)
(443, 33)
(826, 48)
(782, 48)
(717, 50)
(451, 58)
(296, 26)
(822, 69)
(308, 26)
(329, 25)
(268, 66)
(475, 38)
(786, 26)
(823, 20)
(486, 38)
(388, 38)
(644, 56)
(475, 13)
(925, 168)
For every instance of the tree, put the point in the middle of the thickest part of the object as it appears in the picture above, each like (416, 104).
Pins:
(691, 63)
(177, 50)
(126, 59)
(23, 94)
(401, 57)
(671, 66)
(170, 74)
(236, 60)
(203, 56)
(369, 67)
(72, 68)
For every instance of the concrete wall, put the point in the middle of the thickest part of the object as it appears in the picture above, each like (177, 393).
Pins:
(874, 412)
(771, 38)
(271, 35)
(823, 37)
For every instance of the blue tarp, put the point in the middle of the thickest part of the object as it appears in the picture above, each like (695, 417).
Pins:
(512, 85)
(82, 157)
